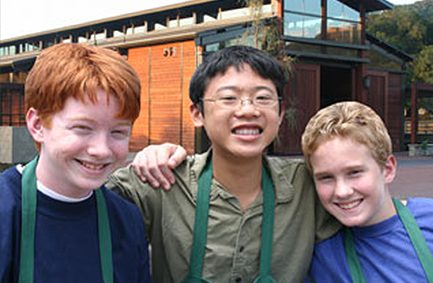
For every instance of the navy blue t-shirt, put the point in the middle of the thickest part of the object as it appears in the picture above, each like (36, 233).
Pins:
(66, 243)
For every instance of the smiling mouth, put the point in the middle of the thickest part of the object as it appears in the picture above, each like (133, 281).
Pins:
(92, 166)
(247, 132)
(349, 205)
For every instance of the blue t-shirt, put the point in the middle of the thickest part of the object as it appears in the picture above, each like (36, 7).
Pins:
(385, 251)
(66, 240)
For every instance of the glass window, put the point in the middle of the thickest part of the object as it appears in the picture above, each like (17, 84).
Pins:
(303, 6)
(338, 10)
(342, 31)
(249, 40)
(302, 25)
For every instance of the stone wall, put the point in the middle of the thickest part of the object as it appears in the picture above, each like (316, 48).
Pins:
(16, 145)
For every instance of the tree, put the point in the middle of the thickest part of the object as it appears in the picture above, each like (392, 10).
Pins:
(410, 29)
(400, 27)
(423, 67)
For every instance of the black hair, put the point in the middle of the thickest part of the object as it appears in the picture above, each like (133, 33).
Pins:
(260, 62)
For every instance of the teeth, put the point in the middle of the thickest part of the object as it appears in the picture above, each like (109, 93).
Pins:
(92, 167)
(349, 205)
(247, 131)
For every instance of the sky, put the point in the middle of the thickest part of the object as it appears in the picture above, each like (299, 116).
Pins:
(24, 17)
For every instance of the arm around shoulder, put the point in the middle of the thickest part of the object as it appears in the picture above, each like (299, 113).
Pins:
(129, 186)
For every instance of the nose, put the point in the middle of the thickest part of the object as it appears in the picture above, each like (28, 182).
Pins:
(247, 108)
(343, 189)
(250, 101)
(99, 146)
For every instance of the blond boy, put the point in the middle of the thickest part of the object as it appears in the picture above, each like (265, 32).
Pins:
(348, 150)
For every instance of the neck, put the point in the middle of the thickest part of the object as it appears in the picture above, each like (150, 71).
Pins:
(242, 178)
(51, 181)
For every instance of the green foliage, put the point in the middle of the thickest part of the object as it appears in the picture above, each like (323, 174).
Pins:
(423, 68)
(400, 27)
(410, 29)
(424, 144)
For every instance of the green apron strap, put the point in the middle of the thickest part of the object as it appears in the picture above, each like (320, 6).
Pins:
(201, 224)
(28, 222)
(417, 238)
(104, 234)
(352, 258)
(415, 235)
(267, 229)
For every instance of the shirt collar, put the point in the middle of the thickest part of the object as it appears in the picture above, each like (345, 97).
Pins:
(277, 167)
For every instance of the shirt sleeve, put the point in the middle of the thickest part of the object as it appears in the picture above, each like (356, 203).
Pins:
(129, 186)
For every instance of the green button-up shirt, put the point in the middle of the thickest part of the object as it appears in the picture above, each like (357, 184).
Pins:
(234, 237)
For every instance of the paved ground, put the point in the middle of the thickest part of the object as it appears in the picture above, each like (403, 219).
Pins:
(414, 176)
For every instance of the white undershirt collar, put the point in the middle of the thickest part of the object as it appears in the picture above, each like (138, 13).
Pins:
(52, 194)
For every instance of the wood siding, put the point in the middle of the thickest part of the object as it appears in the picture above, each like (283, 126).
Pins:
(386, 98)
(165, 71)
(12, 112)
(302, 100)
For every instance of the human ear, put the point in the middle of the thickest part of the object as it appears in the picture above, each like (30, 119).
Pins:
(34, 125)
(196, 115)
(282, 109)
(390, 169)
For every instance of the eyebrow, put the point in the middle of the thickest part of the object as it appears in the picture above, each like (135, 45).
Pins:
(122, 123)
(348, 168)
(319, 174)
(80, 119)
(254, 89)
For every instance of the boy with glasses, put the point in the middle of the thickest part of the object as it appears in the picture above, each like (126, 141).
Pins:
(233, 214)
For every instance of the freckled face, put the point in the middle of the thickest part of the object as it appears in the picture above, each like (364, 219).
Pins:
(350, 183)
(85, 143)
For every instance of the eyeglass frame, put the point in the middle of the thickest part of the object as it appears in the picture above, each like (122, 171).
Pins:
(240, 101)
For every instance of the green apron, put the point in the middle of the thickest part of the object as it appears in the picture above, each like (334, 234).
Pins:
(201, 223)
(28, 221)
(415, 236)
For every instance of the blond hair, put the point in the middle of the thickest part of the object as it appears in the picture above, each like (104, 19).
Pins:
(352, 120)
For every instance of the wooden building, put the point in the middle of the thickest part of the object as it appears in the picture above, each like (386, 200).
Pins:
(335, 60)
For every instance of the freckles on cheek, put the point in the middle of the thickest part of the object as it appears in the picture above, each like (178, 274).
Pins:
(122, 150)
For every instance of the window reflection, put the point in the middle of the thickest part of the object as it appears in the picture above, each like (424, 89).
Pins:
(302, 18)
(338, 10)
(302, 25)
(342, 31)
(303, 6)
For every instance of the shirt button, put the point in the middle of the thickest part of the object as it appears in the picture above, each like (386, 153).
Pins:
(238, 280)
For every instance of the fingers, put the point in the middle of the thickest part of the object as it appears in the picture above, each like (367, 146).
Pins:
(152, 164)
(177, 158)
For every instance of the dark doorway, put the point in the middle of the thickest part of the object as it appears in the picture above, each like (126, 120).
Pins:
(335, 85)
